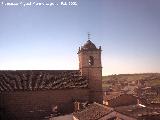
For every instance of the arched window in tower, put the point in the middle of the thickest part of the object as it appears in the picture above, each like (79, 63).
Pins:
(91, 60)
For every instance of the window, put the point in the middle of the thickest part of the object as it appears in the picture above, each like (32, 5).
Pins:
(91, 60)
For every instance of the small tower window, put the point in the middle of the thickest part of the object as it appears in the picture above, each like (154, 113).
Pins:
(91, 60)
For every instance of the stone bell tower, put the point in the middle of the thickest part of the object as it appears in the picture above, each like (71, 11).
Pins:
(90, 66)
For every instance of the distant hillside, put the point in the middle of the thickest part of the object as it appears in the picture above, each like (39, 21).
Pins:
(153, 79)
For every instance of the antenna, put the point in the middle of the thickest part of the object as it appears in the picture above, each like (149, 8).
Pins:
(89, 36)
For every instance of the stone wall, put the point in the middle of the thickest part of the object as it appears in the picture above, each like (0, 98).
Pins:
(37, 104)
(92, 72)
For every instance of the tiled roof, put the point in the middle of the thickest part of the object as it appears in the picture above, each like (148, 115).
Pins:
(41, 80)
(111, 96)
(152, 98)
(93, 112)
(137, 111)
(115, 95)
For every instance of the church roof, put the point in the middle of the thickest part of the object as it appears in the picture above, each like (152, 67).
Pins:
(89, 46)
(31, 80)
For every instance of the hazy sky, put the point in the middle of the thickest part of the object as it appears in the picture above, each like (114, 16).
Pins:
(43, 37)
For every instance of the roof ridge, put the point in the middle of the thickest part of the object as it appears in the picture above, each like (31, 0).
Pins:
(101, 105)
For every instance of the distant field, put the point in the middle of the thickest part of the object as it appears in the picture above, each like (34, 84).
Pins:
(152, 78)
(155, 82)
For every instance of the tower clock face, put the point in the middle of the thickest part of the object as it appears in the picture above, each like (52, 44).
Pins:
(91, 60)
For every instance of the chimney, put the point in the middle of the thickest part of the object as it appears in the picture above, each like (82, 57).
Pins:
(76, 106)
(138, 102)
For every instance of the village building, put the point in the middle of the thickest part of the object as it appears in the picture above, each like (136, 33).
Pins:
(115, 99)
(93, 111)
(98, 111)
(33, 94)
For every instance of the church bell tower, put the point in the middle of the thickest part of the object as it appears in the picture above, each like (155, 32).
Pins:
(90, 67)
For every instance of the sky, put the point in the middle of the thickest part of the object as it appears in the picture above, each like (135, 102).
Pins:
(47, 37)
